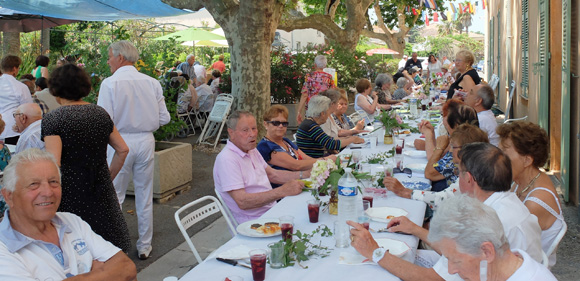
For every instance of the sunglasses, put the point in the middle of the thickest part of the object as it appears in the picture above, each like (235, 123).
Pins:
(404, 171)
(278, 123)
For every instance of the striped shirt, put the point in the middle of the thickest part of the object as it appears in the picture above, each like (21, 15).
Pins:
(312, 140)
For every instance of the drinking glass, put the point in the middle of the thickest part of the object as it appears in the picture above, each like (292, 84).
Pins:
(276, 254)
(287, 226)
(355, 158)
(313, 210)
(258, 261)
(366, 204)
(365, 221)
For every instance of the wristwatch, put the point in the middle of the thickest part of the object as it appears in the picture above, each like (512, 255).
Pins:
(378, 254)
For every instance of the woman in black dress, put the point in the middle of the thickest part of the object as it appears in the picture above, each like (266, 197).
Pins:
(469, 78)
(77, 134)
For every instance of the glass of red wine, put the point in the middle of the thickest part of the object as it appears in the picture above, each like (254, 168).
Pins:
(313, 210)
(287, 226)
(258, 261)
(365, 221)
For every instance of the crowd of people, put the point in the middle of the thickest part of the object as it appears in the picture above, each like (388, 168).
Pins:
(490, 203)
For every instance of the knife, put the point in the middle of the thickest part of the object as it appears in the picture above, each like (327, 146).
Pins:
(234, 262)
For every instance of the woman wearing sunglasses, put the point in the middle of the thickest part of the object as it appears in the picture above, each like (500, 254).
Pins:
(278, 151)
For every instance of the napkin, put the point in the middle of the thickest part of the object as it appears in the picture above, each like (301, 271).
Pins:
(236, 253)
(353, 258)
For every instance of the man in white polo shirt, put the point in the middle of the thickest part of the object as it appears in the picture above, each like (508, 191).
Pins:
(481, 98)
(39, 243)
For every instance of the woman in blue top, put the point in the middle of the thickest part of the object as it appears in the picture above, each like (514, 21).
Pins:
(278, 151)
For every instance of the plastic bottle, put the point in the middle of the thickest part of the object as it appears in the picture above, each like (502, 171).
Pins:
(413, 107)
(348, 207)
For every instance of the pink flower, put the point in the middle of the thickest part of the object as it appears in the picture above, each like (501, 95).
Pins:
(399, 120)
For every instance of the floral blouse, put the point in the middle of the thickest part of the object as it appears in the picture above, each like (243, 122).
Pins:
(315, 83)
(345, 125)
(446, 168)
(433, 198)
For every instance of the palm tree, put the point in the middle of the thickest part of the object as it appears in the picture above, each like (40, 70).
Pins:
(446, 28)
(465, 20)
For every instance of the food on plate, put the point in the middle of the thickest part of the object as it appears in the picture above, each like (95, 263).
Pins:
(273, 228)
(272, 223)
(390, 217)
(255, 226)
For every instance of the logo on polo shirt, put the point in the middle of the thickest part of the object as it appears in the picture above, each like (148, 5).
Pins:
(80, 246)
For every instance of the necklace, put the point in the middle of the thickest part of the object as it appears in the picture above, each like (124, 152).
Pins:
(531, 183)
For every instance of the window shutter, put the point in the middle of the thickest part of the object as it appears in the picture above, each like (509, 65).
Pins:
(525, 55)
(499, 40)
(490, 51)
(565, 140)
(543, 69)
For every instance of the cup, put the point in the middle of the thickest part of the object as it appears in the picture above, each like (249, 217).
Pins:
(365, 221)
(258, 261)
(399, 159)
(341, 234)
(366, 205)
(287, 226)
(389, 170)
(399, 144)
(313, 210)
(373, 140)
(276, 254)
(355, 158)
(368, 196)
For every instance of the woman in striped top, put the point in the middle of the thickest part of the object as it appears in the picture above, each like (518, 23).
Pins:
(311, 139)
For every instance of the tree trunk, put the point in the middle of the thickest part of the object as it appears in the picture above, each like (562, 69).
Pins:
(11, 44)
(45, 43)
(395, 41)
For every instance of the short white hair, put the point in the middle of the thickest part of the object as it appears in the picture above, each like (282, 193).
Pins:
(469, 223)
(317, 105)
(31, 155)
(189, 56)
(320, 61)
(125, 49)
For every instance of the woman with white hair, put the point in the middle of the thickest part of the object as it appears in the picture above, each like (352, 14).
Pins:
(383, 84)
(311, 139)
(471, 236)
(401, 92)
(314, 83)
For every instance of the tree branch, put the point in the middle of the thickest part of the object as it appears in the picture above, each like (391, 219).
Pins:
(330, 8)
(380, 20)
(323, 23)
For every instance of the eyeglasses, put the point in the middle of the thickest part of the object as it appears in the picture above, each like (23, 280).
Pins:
(278, 123)
(404, 171)
(16, 114)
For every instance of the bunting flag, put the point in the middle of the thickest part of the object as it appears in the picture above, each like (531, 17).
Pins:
(450, 15)
(471, 9)
(466, 9)
(414, 12)
(460, 8)
(483, 4)
(443, 17)
(435, 17)
(453, 8)
(430, 4)
(426, 19)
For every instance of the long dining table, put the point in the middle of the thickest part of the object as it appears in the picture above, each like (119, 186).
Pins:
(330, 267)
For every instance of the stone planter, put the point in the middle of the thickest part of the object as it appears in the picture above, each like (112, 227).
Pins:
(292, 111)
(172, 172)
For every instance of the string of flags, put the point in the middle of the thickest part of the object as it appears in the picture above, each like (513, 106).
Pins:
(451, 14)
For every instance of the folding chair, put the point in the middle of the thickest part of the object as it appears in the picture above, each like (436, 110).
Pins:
(494, 81)
(509, 105)
(189, 126)
(227, 209)
(216, 119)
(196, 216)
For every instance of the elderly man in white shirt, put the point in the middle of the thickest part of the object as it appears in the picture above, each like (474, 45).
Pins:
(484, 174)
(403, 61)
(39, 243)
(28, 119)
(136, 104)
(481, 98)
(12, 94)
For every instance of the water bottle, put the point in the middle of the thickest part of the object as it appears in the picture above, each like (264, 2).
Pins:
(413, 107)
(348, 199)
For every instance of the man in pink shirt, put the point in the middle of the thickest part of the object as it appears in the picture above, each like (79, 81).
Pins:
(242, 177)
(219, 65)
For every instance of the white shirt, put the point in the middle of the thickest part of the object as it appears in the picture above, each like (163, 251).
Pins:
(30, 137)
(134, 101)
(530, 270)
(24, 258)
(330, 128)
(205, 98)
(521, 229)
(402, 63)
(434, 67)
(200, 71)
(488, 124)
(13, 93)
(369, 117)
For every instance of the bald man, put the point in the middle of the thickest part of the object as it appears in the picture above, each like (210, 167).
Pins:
(28, 118)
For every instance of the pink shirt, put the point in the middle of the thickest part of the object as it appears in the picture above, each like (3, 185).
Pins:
(235, 169)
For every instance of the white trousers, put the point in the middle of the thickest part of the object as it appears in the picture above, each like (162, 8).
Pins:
(139, 165)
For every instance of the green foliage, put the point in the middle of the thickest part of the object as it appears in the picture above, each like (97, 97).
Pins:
(390, 11)
(302, 248)
(443, 45)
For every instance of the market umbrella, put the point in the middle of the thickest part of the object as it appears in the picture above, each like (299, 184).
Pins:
(16, 21)
(206, 43)
(192, 34)
(381, 51)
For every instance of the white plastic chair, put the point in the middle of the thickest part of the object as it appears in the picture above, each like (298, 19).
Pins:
(227, 209)
(196, 216)
(364, 115)
(216, 119)
(509, 105)
(494, 81)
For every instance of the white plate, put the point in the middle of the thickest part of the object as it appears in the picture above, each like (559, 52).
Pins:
(415, 153)
(246, 228)
(397, 106)
(414, 182)
(416, 167)
(380, 214)
(359, 145)
(395, 247)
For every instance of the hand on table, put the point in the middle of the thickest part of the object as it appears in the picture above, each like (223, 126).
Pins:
(293, 187)
(419, 144)
(402, 224)
(355, 131)
(395, 186)
(362, 240)
(425, 127)
(360, 125)
(357, 139)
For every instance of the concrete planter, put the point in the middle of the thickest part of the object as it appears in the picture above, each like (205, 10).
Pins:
(172, 172)
(292, 111)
